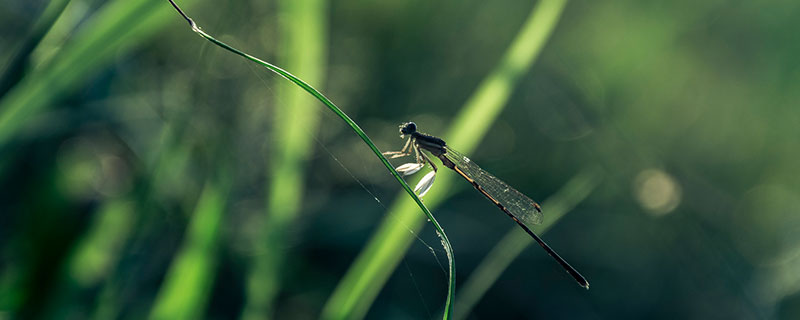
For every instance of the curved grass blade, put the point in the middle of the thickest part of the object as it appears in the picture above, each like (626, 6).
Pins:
(314, 92)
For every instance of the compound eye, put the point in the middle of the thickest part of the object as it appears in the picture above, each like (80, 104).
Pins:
(410, 127)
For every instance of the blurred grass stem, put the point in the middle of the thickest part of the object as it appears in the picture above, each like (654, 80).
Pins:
(118, 25)
(302, 25)
(184, 293)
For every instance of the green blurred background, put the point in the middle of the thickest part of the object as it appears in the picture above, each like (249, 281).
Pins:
(147, 173)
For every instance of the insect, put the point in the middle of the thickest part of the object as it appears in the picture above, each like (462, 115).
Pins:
(519, 207)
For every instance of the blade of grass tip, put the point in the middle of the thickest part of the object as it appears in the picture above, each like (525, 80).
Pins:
(106, 305)
(331, 106)
(117, 27)
(302, 26)
(16, 67)
(368, 274)
(94, 257)
(511, 246)
(186, 287)
(99, 249)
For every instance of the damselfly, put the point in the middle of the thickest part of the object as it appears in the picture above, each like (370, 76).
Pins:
(517, 206)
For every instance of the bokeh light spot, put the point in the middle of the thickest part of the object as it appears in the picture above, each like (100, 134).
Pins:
(657, 191)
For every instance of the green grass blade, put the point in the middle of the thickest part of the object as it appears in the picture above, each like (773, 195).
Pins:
(357, 129)
(16, 68)
(302, 26)
(501, 256)
(118, 26)
(186, 287)
(368, 274)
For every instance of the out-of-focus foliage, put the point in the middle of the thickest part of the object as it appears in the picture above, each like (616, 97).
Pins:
(138, 181)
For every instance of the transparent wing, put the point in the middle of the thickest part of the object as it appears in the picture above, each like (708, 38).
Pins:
(507, 198)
